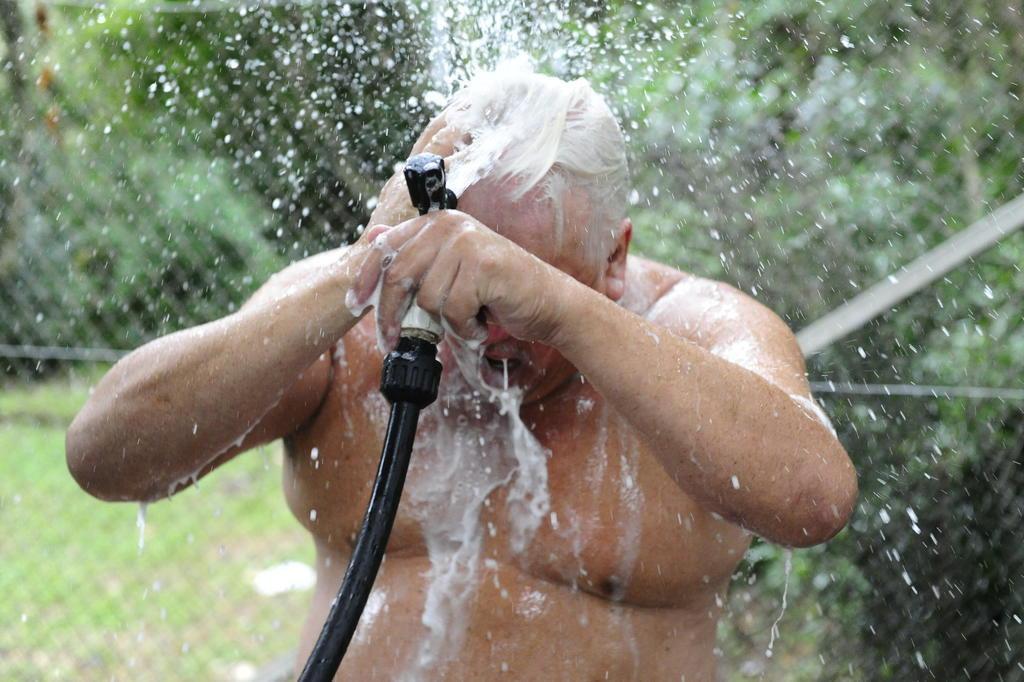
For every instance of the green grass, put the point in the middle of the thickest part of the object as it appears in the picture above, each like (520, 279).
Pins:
(81, 601)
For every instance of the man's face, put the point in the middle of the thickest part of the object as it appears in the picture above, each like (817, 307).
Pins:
(531, 222)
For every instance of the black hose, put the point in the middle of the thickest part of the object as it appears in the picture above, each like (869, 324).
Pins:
(410, 380)
(362, 570)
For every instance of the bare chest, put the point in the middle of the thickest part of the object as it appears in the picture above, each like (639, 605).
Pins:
(567, 492)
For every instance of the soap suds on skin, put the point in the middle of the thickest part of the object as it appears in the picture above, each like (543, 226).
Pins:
(472, 441)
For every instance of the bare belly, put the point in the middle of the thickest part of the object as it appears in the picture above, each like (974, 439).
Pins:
(619, 580)
(513, 625)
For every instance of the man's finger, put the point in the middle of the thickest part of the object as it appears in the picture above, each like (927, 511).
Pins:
(444, 142)
(394, 301)
(402, 271)
(435, 126)
(368, 274)
(436, 283)
(460, 308)
(372, 233)
(395, 238)
(394, 204)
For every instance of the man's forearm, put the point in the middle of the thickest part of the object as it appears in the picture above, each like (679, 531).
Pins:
(174, 404)
(736, 442)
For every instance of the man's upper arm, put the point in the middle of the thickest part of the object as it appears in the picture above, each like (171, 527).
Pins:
(731, 325)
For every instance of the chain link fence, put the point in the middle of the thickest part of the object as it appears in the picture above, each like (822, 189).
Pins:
(158, 161)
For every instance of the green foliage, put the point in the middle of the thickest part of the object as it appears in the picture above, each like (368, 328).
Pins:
(129, 226)
(310, 108)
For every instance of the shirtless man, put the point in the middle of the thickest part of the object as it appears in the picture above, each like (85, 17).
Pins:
(593, 470)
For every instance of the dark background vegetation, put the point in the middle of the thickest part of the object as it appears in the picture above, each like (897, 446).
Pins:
(157, 163)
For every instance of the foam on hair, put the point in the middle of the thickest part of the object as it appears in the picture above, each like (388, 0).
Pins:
(530, 129)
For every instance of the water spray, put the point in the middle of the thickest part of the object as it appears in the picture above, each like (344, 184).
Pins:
(409, 381)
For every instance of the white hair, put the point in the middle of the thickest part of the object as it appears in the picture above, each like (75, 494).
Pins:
(533, 129)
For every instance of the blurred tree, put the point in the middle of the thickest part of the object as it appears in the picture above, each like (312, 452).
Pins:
(310, 105)
(16, 167)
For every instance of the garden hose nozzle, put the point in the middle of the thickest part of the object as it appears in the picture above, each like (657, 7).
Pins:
(425, 177)
(427, 182)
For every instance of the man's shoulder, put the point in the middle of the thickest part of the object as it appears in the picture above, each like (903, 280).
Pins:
(647, 282)
(698, 306)
(657, 283)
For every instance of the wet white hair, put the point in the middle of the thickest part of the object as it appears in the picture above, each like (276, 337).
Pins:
(536, 130)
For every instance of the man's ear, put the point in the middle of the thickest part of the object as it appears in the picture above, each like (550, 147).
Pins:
(615, 271)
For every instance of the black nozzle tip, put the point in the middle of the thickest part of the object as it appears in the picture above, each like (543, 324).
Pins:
(425, 178)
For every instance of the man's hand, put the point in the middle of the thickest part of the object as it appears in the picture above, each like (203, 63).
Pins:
(462, 272)
(393, 205)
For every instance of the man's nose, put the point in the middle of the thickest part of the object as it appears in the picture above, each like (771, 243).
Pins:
(496, 333)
